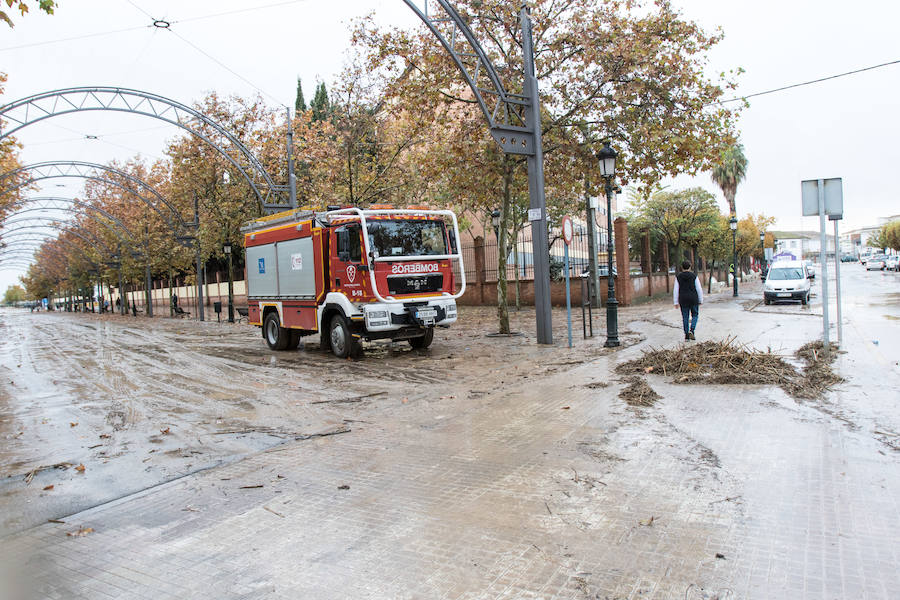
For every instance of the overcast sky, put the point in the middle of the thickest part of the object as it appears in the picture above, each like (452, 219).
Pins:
(845, 127)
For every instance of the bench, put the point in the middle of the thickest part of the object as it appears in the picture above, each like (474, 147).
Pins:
(243, 313)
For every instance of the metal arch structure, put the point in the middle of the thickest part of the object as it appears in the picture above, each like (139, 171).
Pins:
(38, 222)
(37, 107)
(506, 113)
(514, 121)
(114, 226)
(50, 203)
(85, 170)
(115, 232)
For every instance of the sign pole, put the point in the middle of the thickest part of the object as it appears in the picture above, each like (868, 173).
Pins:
(822, 259)
(837, 284)
(568, 232)
(568, 297)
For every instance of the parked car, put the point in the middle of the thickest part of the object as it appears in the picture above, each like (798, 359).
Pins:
(892, 263)
(875, 263)
(811, 268)
(787, 280)
(602, 271)
(848, 258)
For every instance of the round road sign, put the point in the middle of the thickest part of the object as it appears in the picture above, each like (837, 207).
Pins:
(568, 230)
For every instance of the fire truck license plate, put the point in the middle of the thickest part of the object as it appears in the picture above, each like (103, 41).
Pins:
(426, 313)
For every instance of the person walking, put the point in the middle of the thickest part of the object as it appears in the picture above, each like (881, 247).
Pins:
(688, 295)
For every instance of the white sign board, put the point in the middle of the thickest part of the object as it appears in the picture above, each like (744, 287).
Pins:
(834, 197)
(296, 262)
(535, 214)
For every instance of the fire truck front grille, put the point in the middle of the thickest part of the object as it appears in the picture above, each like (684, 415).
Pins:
(415, 284)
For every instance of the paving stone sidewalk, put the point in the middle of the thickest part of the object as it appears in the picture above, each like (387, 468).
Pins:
(546, 489)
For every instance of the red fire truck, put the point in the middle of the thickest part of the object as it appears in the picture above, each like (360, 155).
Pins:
(351, 275)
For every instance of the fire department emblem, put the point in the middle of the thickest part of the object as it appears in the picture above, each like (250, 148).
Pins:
(351, 273)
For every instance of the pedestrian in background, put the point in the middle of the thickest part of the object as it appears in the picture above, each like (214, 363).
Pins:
(688, 295)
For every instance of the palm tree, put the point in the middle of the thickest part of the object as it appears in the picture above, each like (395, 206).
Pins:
(730, 171)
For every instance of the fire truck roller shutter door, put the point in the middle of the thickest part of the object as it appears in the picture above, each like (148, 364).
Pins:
(296, 268)
(261, 270)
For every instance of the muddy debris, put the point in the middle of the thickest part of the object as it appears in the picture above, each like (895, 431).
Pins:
(729, 362)
(638, 393)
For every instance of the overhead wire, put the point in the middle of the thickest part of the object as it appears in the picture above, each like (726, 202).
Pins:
(151, 26)
(810, 82)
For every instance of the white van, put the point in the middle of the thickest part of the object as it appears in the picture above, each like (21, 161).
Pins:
(787, 280)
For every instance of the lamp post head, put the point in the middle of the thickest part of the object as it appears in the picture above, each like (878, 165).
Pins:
(733, 223)
(227, 247)
(762, 237)
(607, 158)
(495, 218)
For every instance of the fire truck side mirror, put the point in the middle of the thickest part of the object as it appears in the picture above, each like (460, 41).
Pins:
(343, 244)
(452, 236)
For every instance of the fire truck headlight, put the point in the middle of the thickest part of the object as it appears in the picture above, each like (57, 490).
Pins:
(451, 311)
(377, 318)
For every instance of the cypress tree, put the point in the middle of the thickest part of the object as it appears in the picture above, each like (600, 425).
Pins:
(319, 105)
(299, 103)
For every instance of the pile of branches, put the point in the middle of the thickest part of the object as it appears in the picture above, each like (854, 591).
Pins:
(728, 362)
(638, 393)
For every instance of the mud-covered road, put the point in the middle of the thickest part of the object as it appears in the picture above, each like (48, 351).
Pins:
(140, 401)
(483, 467)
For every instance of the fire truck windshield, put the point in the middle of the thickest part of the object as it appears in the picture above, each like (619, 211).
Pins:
(407, 238)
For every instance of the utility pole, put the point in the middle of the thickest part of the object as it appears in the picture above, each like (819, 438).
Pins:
(199, 266)
(537, 213)
(292, 179)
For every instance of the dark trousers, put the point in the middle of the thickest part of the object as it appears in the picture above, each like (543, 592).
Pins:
(690, 310)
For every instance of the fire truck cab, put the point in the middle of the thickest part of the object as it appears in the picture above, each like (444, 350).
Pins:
(350, 275)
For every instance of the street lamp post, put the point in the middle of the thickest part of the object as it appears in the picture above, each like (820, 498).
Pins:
(495, 221)
(734, 266)
(227, 249)
(762, 244)
(607, 158)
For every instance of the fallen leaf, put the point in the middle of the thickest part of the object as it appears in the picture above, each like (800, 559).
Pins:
(344, 487)
(648, 369)
(164, 431)
(75, 424)
(405, 400)
(565, 408)
(720, 555)
(80, 468)
(104, 436)
(647, 522)
(82, 531)
(49, 487)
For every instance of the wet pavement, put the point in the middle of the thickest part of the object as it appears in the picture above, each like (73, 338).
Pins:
(481, 468)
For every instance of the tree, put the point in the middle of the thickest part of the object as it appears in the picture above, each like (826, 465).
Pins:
(679, 217)
(9, 161)
(631, 70)
(14, 293)
(729, 172)
(45, 5)
(319, 105)
(299, 103)
(888, 236)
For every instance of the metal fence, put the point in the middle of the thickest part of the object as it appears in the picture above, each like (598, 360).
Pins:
(521, 255)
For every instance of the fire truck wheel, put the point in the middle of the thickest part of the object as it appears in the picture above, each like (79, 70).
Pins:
(294, 340)
(424, 341)
(342, 342)
(276, 336)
